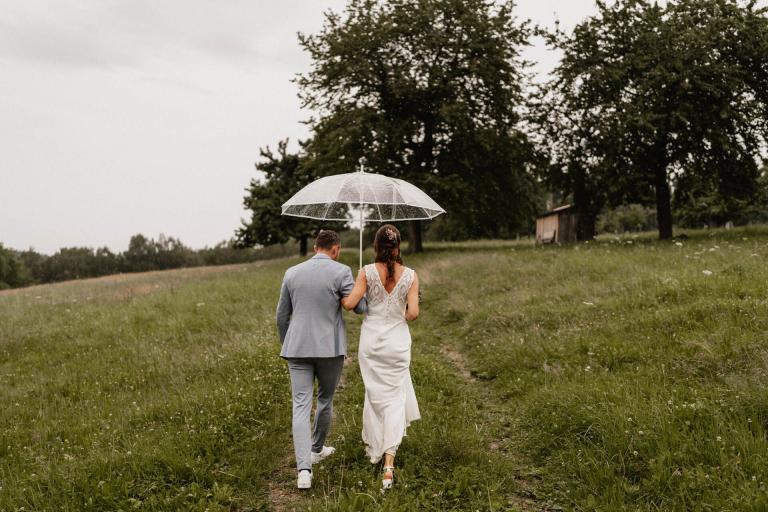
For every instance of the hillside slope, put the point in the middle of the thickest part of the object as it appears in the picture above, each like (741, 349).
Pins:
(623, 373)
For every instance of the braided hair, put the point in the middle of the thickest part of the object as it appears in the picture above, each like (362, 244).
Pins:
(386, 245)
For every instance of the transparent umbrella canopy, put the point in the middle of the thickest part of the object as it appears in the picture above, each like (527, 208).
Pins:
(379, 199)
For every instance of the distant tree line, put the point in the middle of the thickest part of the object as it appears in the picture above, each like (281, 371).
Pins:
(659, 105)
(23, 268)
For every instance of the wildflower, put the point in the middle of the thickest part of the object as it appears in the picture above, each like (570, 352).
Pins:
(706, 272)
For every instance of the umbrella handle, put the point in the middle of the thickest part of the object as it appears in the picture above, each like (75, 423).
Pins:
(360, 265)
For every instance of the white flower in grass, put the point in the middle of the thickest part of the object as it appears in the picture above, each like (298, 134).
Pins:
(679, 244)
(706, 272)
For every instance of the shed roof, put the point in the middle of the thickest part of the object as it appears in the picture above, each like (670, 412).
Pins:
(556, 210)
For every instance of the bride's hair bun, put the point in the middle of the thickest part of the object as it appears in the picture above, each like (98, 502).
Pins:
(386, 244)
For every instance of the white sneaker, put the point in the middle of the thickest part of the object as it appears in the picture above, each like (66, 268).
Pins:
(305, 479)
(327, 451)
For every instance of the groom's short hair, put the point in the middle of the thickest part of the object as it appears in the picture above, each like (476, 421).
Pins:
(326, 239)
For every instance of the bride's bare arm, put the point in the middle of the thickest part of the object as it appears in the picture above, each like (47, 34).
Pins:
(351, 300)
(412, 310)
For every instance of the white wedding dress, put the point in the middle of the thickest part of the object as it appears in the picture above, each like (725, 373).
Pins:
(385, 357)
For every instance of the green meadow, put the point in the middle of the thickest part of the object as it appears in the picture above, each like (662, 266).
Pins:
(618, 374)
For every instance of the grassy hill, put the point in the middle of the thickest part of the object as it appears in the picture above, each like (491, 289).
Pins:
(618, 374)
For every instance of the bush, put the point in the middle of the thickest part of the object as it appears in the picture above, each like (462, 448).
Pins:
(13, 273)
(143, 254)
(631, 217)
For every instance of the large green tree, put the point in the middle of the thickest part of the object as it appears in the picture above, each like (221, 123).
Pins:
(651, 97)
(428, 91)
(284, 174)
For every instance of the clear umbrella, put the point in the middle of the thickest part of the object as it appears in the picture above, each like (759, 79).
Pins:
(379, 198)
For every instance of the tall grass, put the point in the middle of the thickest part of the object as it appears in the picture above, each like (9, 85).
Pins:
(620, 374)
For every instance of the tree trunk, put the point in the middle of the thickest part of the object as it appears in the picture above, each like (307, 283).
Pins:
(586, 225)
(583, 205)
(303, 245)
(663, 193)
(663, 204)
(414, 237)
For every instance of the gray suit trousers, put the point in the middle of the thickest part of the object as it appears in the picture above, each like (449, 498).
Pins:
(303, 371)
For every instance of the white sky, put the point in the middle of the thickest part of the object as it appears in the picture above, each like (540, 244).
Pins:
(120, 117)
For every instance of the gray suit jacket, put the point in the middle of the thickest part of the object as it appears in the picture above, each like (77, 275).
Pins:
(309, 312)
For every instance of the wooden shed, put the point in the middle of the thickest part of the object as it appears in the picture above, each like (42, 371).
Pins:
(557, 225)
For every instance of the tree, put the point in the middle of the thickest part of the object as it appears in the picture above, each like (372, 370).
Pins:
(140, 255)
(649, 96)
(34, 262)
(13, 273)
(284, 175)
(427, 91)
(70, 263)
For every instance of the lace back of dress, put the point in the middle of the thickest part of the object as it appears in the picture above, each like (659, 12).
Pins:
(378, 294)
(374, 288)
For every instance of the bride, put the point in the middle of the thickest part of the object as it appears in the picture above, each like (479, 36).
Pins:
(385, 348)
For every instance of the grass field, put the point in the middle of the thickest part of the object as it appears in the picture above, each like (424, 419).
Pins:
(620, 374)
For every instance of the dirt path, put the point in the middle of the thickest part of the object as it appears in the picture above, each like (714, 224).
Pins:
(459, 362)
(283, 494)
(524, 499)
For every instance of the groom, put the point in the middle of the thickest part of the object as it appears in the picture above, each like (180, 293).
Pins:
(313, 336)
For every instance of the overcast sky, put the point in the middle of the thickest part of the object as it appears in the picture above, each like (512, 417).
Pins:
(120, 117)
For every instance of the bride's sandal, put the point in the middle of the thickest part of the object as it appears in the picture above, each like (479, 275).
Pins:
(388, 478)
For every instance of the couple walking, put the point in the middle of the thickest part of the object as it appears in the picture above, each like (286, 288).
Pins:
(313, 337)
